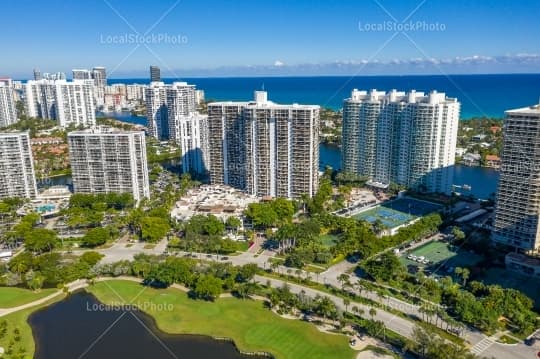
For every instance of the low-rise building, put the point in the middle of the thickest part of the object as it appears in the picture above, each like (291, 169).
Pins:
(493, 161)
(471, 159)
(519, 262)
(220, 200)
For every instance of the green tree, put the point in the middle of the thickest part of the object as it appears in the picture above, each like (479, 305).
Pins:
(96, 237)
(208, 287)
(91, 257)
(458, 233)
(154, 228)
(40, 240)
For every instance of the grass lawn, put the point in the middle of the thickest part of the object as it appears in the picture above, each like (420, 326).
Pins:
(18, 320)
(12, 297)
(507, 340)
(247, 322)
(328, 240)
(242, 246)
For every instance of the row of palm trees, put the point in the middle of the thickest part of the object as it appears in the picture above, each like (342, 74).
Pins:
(439, 317)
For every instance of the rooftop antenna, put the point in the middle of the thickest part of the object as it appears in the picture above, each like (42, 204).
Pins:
(262, 88)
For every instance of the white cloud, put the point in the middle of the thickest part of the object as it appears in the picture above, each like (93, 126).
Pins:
(278, 63)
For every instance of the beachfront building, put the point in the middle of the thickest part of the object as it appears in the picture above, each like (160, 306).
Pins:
(264, 148)
(69, 103)
(517, 210)
(105, 160)
(403, 138)
(17, 177)
(8, 111)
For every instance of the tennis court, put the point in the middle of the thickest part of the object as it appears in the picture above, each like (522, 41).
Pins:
(389, 217)
(412, 207)
(440, 254)
(397, 212)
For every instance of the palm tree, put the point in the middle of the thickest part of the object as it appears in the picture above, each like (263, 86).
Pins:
(372, 312)
(465, 275)
(359, 287)
(343, 278)
(346, 302)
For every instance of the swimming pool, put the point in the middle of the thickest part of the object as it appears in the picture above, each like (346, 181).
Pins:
(46, 208)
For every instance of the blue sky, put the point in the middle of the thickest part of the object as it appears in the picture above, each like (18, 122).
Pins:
(270, 37)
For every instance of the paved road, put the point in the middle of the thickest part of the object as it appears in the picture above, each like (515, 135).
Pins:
(393, 322)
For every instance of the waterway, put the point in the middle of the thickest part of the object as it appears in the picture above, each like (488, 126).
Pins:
(77, 328)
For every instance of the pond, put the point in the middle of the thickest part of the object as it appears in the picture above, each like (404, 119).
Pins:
(79, 327)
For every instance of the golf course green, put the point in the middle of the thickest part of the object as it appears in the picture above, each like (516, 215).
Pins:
(253, 327)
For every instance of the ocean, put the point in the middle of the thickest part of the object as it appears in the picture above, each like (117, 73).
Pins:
(480, 95)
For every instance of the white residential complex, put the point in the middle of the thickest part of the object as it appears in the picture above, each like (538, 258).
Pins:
(17, 177)
(403, 138)
(69, 103)
(8, 111)
(171, 115)
(190, 132)
(263, 148)
(105, 160)
(518, 196)
(98, 75)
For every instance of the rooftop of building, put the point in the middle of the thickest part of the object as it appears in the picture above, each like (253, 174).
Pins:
(524, 259)
(260, 100)
(11, 133)
(103, 130)
(60, 81)
(220, 200)
(394, 96)
(175, 84)
(530, 110)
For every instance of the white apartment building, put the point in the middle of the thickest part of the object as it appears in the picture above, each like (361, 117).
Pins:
(404, 138)
(136, 92)
(105, 160)
(263, 148)
(17, 177)
(69, 103)
(190, 132)
(81, 74)
(517, 209)
(171, 115)
(8, 111)
(164, 103)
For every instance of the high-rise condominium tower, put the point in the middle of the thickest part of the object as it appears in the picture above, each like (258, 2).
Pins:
(171, 115)
(17, 177)
(518, 196)
(8, 111)
(81, 74)
(99, 74)
(69, 103)
(105, 160)
(155, 74)
(264, 148)
(165, 103)
(37, 75)
(394, 137)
